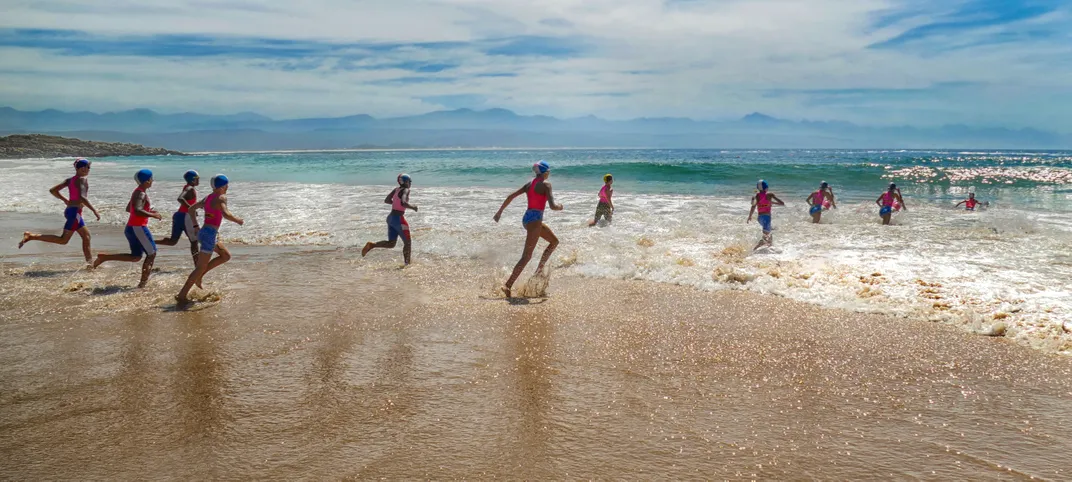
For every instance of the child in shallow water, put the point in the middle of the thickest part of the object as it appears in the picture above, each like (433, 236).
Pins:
(605, 208)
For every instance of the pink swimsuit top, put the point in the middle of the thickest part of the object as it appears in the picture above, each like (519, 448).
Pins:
(396, 201)
(603, 195)
(763, 204)
(73, 191)
(887, 199)
(970, 203)
(536, 201)
(213, 216)
(183, 208)
(135, 219)
(818, 198)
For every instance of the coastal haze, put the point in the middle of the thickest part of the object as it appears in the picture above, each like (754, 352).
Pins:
(656, 346)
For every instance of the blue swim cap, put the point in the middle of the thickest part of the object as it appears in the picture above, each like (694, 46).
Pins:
(219, 180)
(893, 186)
(403, 178)
(189, 176)
(81, 162)
(761, 185)
(143, 176)
(541, 167)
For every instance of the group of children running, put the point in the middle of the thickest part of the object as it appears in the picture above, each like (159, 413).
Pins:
(203, 239)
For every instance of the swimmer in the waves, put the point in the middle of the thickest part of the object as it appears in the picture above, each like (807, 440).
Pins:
(137, 231)
(890, 201)
(215, 206)
(77, 197)
(819, 200)
(183, 221)
(396, 221)
(538, 193)
(971, 203)
(761, 204)
(605, 208)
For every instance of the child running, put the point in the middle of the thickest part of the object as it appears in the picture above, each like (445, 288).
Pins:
(215, 206)
(78, 196)
(971, 203)
(761, 203)
(183, 221)
(888, 201)
(605, 208)
(819, 200)
(396, 221)
(539, 196)
(137, 231)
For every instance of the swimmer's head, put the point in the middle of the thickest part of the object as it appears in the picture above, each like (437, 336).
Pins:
(541, 168)
(971, 195)
(762, 185)
(81, 163)
(219, 181)
(823, 185)
(892, 187)
(607, 178)
(404, 179)
(144, 176)
(191, 177)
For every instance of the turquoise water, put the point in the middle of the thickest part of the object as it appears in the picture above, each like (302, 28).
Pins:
(1038, 180)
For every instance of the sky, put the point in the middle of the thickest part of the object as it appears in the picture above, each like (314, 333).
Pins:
(998, 63)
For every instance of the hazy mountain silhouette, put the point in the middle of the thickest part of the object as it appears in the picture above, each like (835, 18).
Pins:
(502, 128)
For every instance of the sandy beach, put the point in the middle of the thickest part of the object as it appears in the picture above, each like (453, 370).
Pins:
(320, 364)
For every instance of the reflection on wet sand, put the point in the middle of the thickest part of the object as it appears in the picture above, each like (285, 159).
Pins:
(528, 340)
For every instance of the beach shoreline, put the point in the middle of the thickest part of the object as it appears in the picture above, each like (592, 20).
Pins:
(320, 363)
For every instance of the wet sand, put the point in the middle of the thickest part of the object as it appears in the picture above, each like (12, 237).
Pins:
(321, 364)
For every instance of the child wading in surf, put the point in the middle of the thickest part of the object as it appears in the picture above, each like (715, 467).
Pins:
(971, 203)
(137, 231)
(183, 221)
(538, 192)
(820, 200)
(78, 196)
(215, 206)
(761, 203)
(605, 208)
(888, 202)
(396, 221)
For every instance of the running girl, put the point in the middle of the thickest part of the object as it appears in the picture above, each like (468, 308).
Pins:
(183, 221)
(761, 203)
(888, 201)
(215, 206)
(605, 208)
(820, 200)
(78, 196)
(396, 221)
(137, 231)
(538, 193)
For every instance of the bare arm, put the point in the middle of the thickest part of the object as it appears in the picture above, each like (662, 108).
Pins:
(899, 198)
(753, 210)
(227, 213)
(830, 196)
(56, 192)
(776, 200)
(811, 197)
(137, 204)
(958, 204)
(387, 200)
(610, 193)
(551, 198)
(879, 200)
(83, 185)
(508, 200)
(405, 201)
(184, 198)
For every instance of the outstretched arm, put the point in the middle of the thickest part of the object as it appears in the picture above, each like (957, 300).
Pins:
(227, 213)
(551, 198)
(508, 200)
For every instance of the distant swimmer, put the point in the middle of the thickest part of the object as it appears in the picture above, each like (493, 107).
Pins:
(971, 203)
(183, 221)
(215, 206)
(78, 196)
(890, 201)
(761, 204)
(820, 200)
(137, 231)
(396, 221)
(539, 196)
(605, 208)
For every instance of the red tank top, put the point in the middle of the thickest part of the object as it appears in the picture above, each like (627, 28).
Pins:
(536, 200)
(970, 203)
(134, 219)
(213, 216)
(183, 208)
(762, 203)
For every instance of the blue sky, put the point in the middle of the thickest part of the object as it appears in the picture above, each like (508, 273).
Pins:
(882, 62)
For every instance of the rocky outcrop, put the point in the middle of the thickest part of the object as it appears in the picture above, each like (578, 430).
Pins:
(24, 146)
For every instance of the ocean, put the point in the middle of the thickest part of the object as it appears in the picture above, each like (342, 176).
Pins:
(680, 219)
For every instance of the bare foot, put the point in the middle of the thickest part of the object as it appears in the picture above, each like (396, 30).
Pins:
(506, 291)
(181, 301)
(142, 284)
(97, 262)
(198, 283)
(25, 238)
(367, 248)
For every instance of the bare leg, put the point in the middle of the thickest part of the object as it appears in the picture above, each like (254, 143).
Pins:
(193, 250)
(84, 233)
(47, 238)
(406, 249)
(549, 236)
(223, 256)
(199, 269)
(532, 237)
(886, 219)
(816, 217)
(104, 258)
(369, 246)
(146, 269)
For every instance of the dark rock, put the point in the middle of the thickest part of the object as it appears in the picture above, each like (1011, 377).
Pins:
(24, 146)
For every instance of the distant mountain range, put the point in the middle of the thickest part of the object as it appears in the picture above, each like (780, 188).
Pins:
(501, 128)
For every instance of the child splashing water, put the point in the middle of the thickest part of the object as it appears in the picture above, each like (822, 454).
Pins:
(605, 208)
(183, 221)
(396, 221)
(761, 203)
(77, 197)
(215, 206)
(137, 231)
(539, 196)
